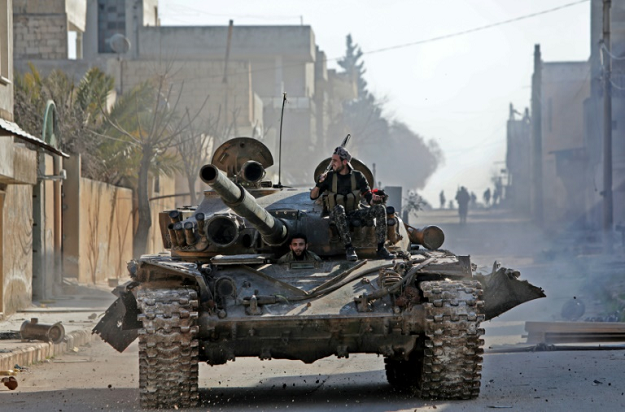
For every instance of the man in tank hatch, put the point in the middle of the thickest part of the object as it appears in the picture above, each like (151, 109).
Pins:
(345, 186)
(299, 250)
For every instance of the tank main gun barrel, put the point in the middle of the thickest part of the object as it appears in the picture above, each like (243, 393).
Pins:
(272, 230)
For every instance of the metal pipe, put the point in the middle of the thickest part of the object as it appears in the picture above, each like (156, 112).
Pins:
(199, 217)
(189, 233)
(174, 216)
(48, 333)
(180, 234)
(172, 235)
(273, 231)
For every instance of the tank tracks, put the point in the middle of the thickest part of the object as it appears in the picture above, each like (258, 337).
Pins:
(168, 348)
(447, 361)
(452, 359)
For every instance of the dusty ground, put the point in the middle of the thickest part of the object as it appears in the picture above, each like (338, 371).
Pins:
(98, 378)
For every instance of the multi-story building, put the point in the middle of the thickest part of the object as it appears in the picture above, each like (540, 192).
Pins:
(567, 128)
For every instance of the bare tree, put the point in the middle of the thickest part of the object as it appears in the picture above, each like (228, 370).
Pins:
(195, 144)
(194, 147)
(144, 125)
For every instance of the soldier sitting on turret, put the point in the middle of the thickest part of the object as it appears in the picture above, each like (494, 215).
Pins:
(299, 250)
(345, 186)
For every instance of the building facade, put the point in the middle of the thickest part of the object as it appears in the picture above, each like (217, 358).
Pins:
(27, 254)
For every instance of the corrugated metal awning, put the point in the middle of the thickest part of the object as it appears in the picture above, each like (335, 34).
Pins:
(17, 131)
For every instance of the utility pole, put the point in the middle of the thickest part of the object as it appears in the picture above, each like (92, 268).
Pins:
(537, 137)
(225, 78)
(607, 130)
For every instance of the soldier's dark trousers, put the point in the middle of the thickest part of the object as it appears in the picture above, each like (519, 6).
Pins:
(341, 220)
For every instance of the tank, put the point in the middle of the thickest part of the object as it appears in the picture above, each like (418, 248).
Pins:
(218, 292)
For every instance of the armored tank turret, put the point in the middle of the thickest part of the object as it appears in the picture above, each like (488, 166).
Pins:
(219, 293)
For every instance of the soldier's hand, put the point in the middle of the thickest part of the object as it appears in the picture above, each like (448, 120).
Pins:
(322, 177)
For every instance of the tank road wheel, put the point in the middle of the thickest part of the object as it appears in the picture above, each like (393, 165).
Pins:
(452, 362)
(168, 348)
(400, 373)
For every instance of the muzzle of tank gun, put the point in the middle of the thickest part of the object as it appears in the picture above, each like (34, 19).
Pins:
(252, 171)
(273, 230)
(223, 230)
(179, 229)
(431, 237)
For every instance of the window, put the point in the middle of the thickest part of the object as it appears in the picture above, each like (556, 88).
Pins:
(111, 20)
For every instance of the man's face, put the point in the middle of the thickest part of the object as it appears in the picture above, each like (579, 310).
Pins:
(298, 246)
(337, 163)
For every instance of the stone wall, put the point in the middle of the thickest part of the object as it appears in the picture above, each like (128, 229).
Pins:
(40, 36)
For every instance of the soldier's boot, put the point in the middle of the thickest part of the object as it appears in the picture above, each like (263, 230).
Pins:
(383, 253)
(350, 253)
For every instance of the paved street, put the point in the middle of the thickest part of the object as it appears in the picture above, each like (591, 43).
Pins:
(98, 378)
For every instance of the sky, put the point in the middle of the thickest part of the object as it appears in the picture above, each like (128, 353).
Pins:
(456, 90)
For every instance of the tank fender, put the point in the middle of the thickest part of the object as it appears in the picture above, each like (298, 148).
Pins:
(118, 327)
(152, 270)
(503, 290)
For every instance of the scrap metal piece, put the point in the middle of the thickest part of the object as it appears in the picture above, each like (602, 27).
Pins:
(503, 291)
(110, 328)
(48, 333)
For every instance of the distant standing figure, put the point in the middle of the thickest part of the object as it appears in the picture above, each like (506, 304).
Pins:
(495, 196)
(463, 197)
(473, 199)
(498, 193)
(487, 197)
(441, 197)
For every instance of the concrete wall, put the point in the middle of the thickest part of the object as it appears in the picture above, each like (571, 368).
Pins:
(97, 227)
(16, 243)
(76, 14)
(76, 69)
(565, 86)
(518, 138)
(194, 81)
(98, 221)
(17, 163)
(209, 42)
(105, 231)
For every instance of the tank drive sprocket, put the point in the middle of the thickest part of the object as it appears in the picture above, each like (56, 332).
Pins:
(168, 348)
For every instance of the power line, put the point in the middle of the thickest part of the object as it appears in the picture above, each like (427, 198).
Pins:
(475, 29)
(419, 42)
